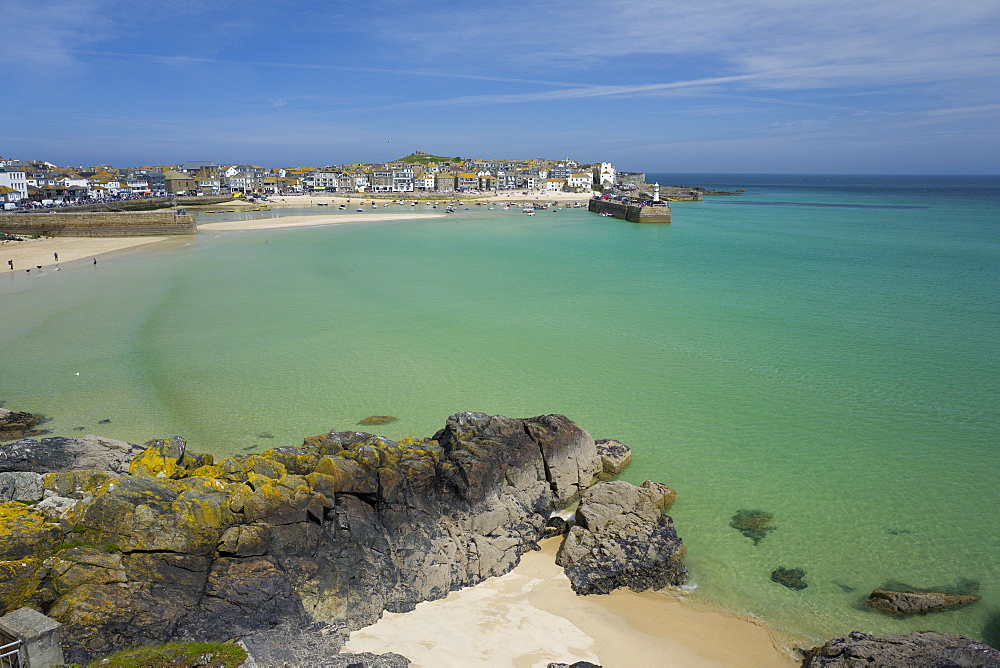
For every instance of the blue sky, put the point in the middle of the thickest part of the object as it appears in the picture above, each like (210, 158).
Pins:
(690, 86)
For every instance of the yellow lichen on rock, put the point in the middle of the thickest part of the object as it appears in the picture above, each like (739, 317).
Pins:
(25, 531)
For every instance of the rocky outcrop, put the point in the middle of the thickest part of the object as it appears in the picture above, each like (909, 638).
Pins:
(334, 531)
(793, 578)
(904, 649)
(14, 425)
(623, 539)
(754, 524)
(68, 454)
(912, 602)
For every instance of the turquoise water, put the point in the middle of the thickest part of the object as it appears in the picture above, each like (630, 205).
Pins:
(821, 348)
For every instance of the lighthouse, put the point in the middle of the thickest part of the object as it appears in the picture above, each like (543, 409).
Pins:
(656, 192)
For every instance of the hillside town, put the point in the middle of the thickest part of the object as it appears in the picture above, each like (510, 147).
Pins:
(37, 183)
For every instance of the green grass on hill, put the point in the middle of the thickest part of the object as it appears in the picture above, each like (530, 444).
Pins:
(427, 159)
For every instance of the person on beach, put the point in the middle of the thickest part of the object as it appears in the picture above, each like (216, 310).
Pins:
(11, 263)
(56, 256)
(95, 261)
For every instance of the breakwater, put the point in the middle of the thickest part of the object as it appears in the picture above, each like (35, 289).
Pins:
(631, 212)
(98, 224)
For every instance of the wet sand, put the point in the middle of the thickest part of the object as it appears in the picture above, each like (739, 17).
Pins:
(30, 253)
(531, 616)
(282, 222)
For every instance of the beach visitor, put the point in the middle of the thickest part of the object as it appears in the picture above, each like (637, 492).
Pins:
(11, 263)
(95, 261)
(56, 256)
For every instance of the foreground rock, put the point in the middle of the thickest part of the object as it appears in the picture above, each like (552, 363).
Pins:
(917, 602)
(68, 454)
(623, 539)
(334, 532)
(904, 649)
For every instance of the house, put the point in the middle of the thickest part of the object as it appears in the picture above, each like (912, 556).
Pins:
(16, 181)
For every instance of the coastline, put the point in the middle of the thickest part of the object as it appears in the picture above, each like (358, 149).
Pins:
(531, 616)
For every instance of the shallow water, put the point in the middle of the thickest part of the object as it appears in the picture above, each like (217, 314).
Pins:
(833, 363)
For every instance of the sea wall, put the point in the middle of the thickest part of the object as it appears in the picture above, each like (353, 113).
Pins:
(98, 224)
(631, 212)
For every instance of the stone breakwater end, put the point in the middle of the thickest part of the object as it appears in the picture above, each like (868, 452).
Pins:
(152, 544)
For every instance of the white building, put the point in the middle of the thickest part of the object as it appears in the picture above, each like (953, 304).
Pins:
(604, 174)
(15, 181)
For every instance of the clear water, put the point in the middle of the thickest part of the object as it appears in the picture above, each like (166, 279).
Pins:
(821, 348)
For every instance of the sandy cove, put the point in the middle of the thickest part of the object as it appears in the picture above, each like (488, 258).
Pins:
(531, 616)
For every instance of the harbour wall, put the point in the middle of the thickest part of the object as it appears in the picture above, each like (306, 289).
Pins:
(101, 224)
(631, 212)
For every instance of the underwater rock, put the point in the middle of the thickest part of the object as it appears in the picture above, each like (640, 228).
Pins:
(789, 577)
(753, 524)
(15, 425)
(911, 602)
(378, 419)
(901, 649)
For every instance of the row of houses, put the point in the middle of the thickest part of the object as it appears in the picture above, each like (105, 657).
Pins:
(44, 182)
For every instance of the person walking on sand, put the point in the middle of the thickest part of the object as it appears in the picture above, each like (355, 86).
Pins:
(56, 256)
(11, 263)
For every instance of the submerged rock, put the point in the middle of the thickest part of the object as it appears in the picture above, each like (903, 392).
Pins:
(378, 419)
(902, 649)
(753, 524)
(917, 602)
(622, 539)
(789, 577)
(15, 425)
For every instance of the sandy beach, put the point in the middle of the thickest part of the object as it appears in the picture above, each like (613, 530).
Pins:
(282, 222)
(531, 616)
(31, 253)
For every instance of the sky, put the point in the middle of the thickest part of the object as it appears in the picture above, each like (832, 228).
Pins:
(748, 86)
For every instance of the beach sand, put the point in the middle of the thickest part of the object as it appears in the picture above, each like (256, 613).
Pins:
(282, 222)
(531, 616)
(30, 253)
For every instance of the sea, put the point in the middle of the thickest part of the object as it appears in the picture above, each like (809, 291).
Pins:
(823, 349)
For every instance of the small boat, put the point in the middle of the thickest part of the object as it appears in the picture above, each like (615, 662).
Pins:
(209, 212)
(359, 210)
(322, 204)
(531, 213)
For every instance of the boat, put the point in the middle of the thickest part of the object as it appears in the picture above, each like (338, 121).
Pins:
(322, 204)
(531, 213)
(359, 210)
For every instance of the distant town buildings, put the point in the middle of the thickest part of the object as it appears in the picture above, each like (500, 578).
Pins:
(36, 182)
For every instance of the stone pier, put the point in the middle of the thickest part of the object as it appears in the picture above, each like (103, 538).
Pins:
(631, 212)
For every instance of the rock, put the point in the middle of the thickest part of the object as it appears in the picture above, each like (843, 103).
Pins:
(333, 532)
(14, 425)
(312, 646)
(20, 486)
(615, 457)
(789, 577)
(578, 664)
(378, 419)
(555, 526)
(752, 523)
(68, 454)
(621, 539)
(903, 649)
(917, 602)
(663, 497)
